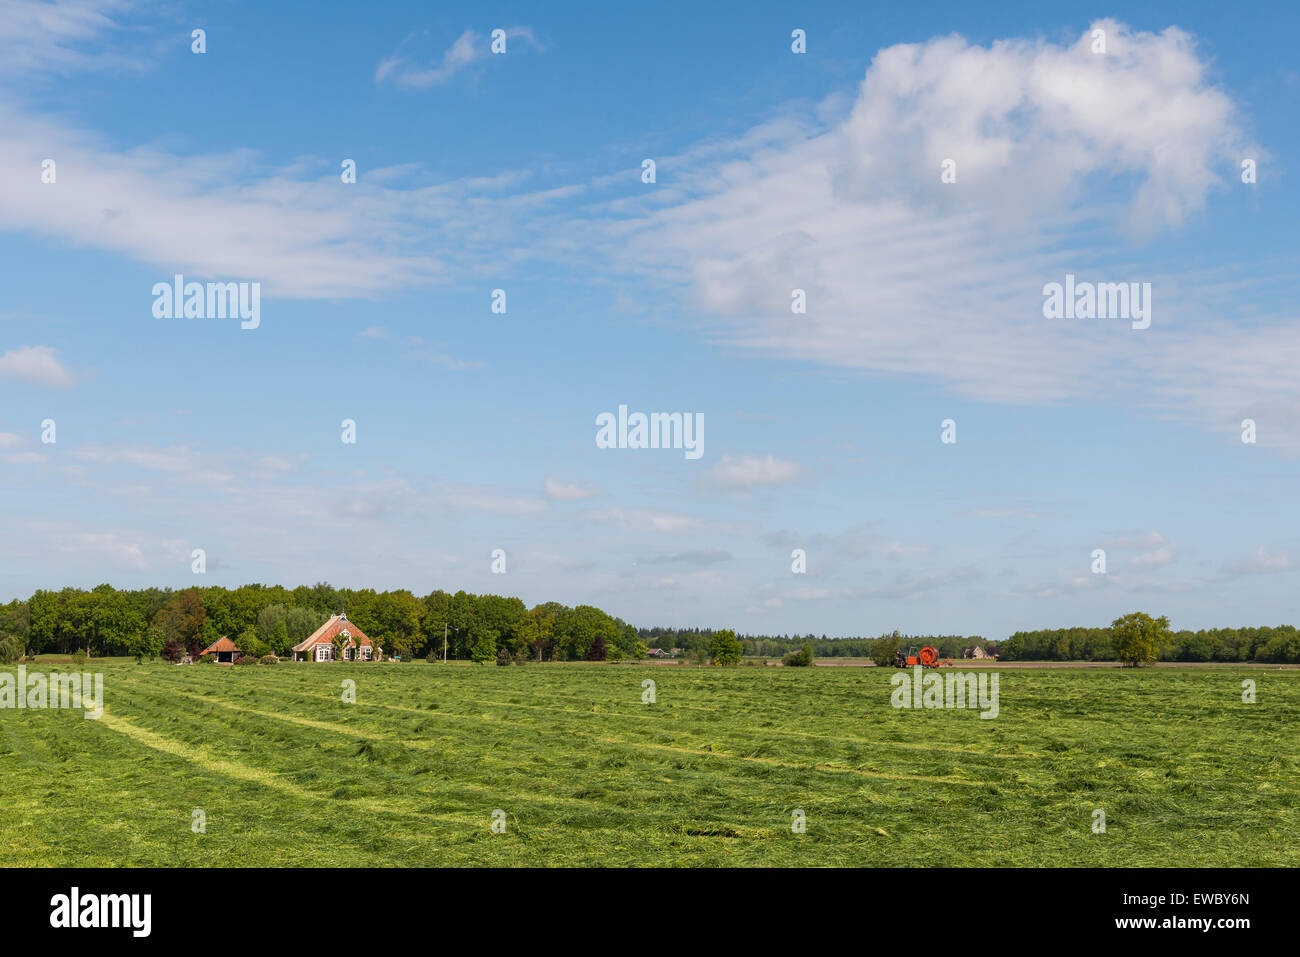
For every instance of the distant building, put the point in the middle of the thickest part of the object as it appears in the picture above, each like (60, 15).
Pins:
(975, 651)
(660, 653)
(225, 650)
(319, 646)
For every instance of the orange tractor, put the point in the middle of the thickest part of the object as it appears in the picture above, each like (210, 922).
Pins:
(927, 657)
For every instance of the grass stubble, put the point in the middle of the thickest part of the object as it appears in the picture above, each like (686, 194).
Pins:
(287, 774)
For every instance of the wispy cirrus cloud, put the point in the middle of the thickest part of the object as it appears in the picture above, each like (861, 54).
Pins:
(701, 556)
(60, 36)
(419, 348)
(400, 69)
(568, 491)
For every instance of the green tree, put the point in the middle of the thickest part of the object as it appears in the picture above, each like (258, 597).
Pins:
(483, 644)
(299, 623)
(537, 630)
(391, 619)
(279, 640)
(182, 620)
(697, 648)
(269, 620)
(1139, 638)
(639, 650)
(250, 644)
(724, 649)
(148, 643)
(884, 649)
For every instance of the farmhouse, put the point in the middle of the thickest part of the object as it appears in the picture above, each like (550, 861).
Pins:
(319, 646)
(225, 650)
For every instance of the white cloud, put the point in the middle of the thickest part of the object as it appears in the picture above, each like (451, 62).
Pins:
(568, 491)
(1061, 156)
(905, 276)
(36, 364)
(700, 556)
(111, 546)
(1261, 562)
(233, 216)
(748, 471)
(641, 519)
(178, 458)
(1160, 556)
(26, 458)
(467, 48)
(484, 499)
(1136, 540)
(810, 594)
(40, 35)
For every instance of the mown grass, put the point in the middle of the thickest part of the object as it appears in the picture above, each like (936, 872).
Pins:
(287, 774)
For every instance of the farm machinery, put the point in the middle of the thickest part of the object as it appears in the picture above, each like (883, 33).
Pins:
(927, 657)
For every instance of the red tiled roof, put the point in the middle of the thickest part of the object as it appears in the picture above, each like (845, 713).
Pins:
(326, 632)
(221, 644)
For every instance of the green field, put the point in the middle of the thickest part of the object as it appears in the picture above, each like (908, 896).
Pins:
(287, 774)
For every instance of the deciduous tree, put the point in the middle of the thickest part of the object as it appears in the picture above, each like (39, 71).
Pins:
(1139, 638)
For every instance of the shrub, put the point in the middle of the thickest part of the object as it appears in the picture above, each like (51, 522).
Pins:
(503, 657)
(802, 658)
(208, 660)
(885, 649)
(79, 656)
(245, 660)
(11, 650)
(268, 660)
(172, 650)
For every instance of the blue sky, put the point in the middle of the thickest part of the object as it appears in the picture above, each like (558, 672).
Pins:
(775, 171)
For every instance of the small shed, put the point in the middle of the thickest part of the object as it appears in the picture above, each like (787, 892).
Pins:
(225, 650)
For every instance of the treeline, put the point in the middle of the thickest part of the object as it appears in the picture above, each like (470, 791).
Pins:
(694, 641)
(1280, 644)
(270, 619)
(262, 619)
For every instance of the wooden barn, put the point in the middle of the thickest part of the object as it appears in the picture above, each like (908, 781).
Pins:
(319, 646)
(225, 650)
